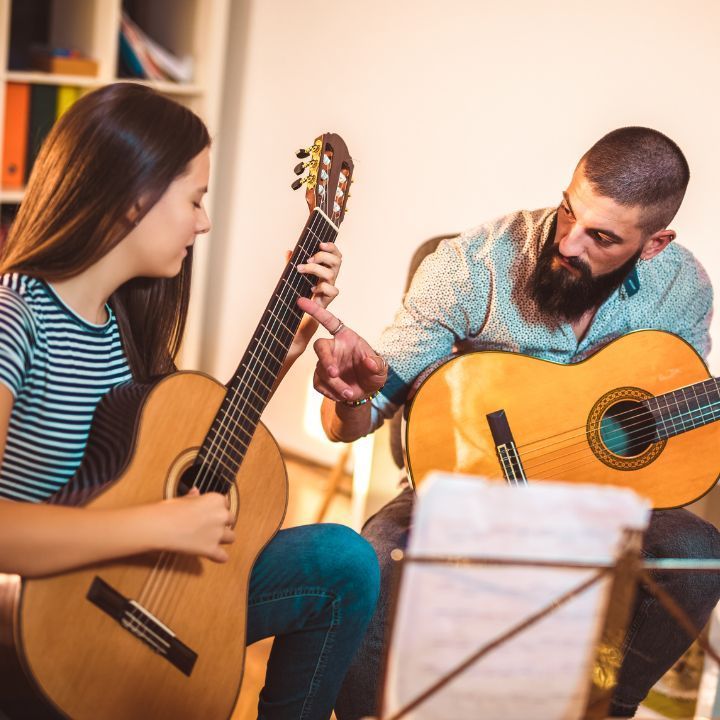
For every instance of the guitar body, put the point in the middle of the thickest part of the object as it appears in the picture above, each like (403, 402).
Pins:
(555, 411)
(81, 659)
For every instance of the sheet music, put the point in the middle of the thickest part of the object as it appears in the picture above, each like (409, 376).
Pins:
(447, 612)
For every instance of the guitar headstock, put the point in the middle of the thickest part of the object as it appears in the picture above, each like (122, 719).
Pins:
(330, 168)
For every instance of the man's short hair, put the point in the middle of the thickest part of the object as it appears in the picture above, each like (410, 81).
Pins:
(637, 166)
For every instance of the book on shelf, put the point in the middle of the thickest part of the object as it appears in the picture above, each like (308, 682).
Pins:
(15, 136)
(43, 109)
(66, 96)
(142, 57)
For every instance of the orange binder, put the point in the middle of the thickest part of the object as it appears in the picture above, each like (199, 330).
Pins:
(17, 116)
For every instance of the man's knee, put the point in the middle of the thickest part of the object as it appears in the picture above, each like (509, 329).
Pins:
(678, 533)
(388, 528)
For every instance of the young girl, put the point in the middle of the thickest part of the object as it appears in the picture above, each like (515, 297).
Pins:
(94, 292)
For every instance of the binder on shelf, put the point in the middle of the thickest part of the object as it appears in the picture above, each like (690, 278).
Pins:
(17, 110)
(66, 96)
(43, 108)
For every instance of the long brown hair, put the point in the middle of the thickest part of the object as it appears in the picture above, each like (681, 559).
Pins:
(116, 149)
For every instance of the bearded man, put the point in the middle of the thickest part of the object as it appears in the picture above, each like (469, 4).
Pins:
(557, 284)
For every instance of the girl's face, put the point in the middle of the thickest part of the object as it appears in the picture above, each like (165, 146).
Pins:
(160, 241)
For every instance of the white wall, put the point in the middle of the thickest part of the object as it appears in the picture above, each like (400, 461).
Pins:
(454, 112)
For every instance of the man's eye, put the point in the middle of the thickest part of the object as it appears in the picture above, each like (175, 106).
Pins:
(603, 240)
(567, 210)
(197, 205)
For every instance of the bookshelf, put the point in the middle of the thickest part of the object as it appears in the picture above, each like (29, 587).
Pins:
(197, 28)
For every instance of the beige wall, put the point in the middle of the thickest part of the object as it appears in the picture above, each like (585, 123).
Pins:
(455, 112)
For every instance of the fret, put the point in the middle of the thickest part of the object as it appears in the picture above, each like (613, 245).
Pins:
(293, 288)
(258, 378)
(244, 410)
(686, 408)
(658, 415)
(263, 399)
(669, 415)
(686, 417)
(281, 343)
(251, 386)
(290, 308)
(291, 330)
(268, 351)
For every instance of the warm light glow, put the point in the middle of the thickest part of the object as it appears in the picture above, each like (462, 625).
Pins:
(311, 415)
(363, 457)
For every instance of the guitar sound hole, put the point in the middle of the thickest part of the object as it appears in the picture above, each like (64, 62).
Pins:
(205, 481)
(628, 429)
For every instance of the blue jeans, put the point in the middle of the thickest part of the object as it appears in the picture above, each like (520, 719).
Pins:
(653, 643)
(314, 588)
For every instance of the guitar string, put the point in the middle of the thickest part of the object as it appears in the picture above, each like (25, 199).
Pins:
(326, 231)
(252, 365)
(320, 238)
(154, 589)
(561, 473)
(628, 413)
(584, 447)
(640, 434)
(256, 365)
(167, 564)
(646, 429)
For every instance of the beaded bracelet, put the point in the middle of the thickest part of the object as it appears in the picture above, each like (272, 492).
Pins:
(362, 401)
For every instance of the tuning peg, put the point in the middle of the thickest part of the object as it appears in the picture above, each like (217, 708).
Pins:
(298, 169)
(298, 183)
(302, 153)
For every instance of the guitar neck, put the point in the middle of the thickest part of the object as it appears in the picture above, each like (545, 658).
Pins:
(251, 386)
(685, 409)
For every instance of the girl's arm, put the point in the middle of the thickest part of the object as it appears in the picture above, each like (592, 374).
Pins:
(37, 539)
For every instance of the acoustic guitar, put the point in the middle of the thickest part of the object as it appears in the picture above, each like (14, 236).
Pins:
(639, 413)
(163, 635)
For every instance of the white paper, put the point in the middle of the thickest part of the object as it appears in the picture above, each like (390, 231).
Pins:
(446, 613)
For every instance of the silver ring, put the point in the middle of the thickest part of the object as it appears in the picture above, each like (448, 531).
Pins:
(340, 326)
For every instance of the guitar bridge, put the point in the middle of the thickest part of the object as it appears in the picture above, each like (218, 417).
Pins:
(141, 623)
(507, 453)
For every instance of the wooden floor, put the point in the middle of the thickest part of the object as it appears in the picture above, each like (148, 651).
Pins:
(307, 490)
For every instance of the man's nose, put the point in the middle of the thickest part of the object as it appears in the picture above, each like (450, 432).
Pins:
(573, 244)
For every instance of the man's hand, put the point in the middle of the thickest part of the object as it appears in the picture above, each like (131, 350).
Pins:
(348, 369)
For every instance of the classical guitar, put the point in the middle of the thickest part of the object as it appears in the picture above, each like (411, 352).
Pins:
(163, 635)
(639, 413)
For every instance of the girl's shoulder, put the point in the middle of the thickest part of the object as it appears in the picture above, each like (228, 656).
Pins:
(18, 294)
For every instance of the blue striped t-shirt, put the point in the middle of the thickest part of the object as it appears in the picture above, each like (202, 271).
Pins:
(57, 366)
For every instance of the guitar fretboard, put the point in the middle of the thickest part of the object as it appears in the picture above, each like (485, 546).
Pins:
(685, 409)
(252, 384)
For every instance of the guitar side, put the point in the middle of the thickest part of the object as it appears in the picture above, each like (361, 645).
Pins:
(66, 643)
(549, 407)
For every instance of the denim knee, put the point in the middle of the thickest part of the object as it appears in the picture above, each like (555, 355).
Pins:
(678, 533)
(350, 566)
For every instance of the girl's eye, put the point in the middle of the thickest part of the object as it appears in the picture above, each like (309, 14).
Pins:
(197, 205)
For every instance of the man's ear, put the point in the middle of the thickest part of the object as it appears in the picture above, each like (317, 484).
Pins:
(656, 243)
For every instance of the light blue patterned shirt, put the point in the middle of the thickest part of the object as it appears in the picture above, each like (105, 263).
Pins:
(470, 294)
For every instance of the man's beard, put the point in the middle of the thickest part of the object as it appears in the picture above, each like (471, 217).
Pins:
(560, 293)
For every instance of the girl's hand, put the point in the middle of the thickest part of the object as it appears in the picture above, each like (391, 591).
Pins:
(325, 265)
(197, 525)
